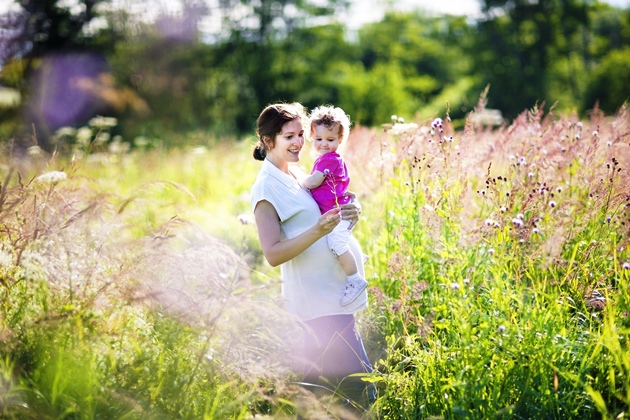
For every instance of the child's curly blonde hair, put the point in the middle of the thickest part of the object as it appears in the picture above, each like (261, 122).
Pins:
(329, 116)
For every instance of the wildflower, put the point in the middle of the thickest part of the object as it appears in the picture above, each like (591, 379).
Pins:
(437, 123)
(608, 143)
(489, 222)
(530, 175)
(5, 258)
(400, 128)
(102, 138)
(491, 251)
(400, 120)
(559, 189)
(394, 118)
(608, 219)
(34, 151)
(552, 203)
(501, 328)
(84, 135)
(626, 266)
(65, 132)
(535, 231)
(52, 177)
(520, 216)
(466, 280)
(103, 122)
(482, 192)
(503, 209)
(455, 286)
(497, 225)
(517, 222)
(595, 133)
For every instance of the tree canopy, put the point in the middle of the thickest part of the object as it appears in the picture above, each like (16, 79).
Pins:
(212, 68)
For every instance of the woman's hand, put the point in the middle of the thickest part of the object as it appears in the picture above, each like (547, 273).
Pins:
(352, 210)
(327, 222)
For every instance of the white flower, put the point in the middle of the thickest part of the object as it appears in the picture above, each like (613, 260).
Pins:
(103, 122)
(491, 251)
(437, 123)
(552, 203)
(66, 132)
(503, 209)
(489, 222)
(626, 266)
(52, 177)
(5, 258)
(34, 151)
(501, 328)
(520, 216)
(84, 135)
(400, 128)
(455, 286)
(535, 231)
(517, 222)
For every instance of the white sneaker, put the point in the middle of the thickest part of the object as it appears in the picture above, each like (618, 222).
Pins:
(353, 290)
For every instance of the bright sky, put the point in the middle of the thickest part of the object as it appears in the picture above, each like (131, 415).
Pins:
(362, 10)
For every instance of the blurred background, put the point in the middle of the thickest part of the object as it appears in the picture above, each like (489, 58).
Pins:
(198, 71)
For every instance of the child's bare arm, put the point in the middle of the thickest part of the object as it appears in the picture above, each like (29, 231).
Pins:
(314, 180)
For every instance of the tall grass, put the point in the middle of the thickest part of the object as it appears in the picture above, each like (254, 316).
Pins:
(500, 269)
(132, 284)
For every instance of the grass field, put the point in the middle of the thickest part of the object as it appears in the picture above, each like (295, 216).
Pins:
(132, 283)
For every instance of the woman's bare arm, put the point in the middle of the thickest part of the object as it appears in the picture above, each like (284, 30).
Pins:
(277, 251)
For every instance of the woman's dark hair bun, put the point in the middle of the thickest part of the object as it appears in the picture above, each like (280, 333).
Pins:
(259, 153)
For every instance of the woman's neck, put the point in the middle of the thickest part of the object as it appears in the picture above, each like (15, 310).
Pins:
(283, 165)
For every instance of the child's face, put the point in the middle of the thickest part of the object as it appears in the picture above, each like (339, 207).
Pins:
(326, 140)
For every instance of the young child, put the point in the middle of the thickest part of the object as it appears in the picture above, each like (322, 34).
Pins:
(328, 183)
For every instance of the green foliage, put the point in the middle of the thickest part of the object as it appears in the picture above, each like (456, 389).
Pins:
(499, 271)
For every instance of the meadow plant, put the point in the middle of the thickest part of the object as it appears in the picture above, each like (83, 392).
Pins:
(133, 285)
(491, 246)
(106, 312)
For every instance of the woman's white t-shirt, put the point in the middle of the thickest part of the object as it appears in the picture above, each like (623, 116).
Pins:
(313, 282)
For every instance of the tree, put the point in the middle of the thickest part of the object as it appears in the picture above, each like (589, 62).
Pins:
(40, 29)
(517, 44)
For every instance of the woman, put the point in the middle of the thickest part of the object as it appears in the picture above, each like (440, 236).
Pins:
(292, 233)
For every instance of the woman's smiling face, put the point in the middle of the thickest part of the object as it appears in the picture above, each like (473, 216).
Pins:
(287, 144)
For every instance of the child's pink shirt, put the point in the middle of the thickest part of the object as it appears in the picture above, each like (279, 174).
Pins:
(335, 184)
